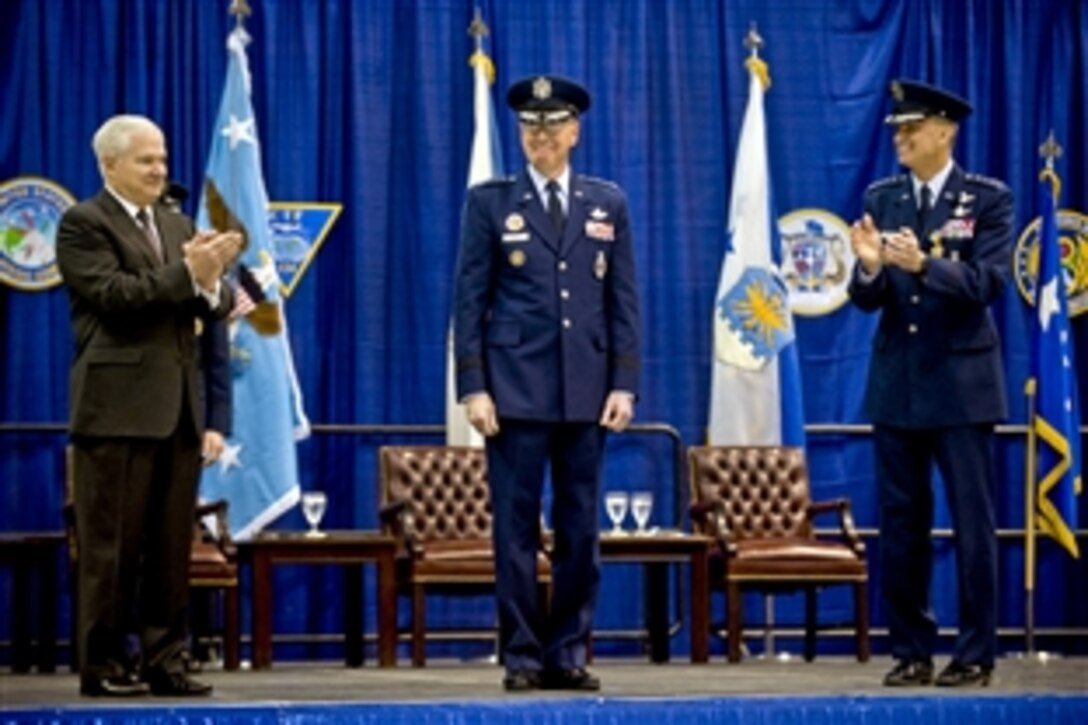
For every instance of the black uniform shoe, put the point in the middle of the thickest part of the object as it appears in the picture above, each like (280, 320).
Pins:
(572, 679)
(125, 685)
(521, 681)
(176, 684)
(909, 674)
(961, 675)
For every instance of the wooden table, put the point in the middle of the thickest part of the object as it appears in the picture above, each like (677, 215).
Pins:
(655, 552)
(350, 549)
(30, 554)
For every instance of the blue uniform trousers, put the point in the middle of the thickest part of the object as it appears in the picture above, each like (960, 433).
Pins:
(905, 458)
(517, 459)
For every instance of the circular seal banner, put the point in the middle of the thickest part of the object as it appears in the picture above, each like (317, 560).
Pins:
(1073, 246)
(816, 260)
(30, 211)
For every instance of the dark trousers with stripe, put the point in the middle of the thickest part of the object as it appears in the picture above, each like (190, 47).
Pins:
(517, 460)
(904, 463)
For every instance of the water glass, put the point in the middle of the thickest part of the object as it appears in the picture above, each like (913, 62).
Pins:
(642, 504)
(313, 508)
(615, 504)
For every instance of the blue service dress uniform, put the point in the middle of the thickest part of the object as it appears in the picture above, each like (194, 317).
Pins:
(548, 326)
(935, 390)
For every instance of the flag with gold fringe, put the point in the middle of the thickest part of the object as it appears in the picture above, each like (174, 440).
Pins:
(1056, 421)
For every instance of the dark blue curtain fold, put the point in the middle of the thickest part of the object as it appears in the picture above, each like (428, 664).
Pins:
(368, 104)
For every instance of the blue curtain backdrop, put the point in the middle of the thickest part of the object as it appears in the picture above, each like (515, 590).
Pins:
(368, 104)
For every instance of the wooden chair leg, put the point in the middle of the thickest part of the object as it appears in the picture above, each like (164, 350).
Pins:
(419, 626)
(810, 623)
(861, 619)
(231, 658)
(733, 615)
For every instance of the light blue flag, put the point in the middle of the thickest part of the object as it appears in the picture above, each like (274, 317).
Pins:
(755, 388)
(485, 162)
(258, 472)
(1057, 418)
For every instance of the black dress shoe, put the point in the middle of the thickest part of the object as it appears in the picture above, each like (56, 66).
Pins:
(125, 685)
(176, 684)
(521, 680)
(961, 675)
(909, 674)
(576, 678)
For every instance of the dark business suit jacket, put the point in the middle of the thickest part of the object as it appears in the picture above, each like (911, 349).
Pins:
(134, 322)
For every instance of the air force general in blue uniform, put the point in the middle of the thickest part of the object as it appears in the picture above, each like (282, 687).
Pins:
(546, 330)
(933, 254)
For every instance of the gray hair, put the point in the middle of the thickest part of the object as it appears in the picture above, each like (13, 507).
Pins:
(114, 136)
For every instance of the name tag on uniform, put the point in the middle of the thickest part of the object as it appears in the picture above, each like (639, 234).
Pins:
(514, 237)
(602, 231)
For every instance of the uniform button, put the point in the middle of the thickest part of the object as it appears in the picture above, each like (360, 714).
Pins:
(915, 299)
(912, 329)
(567, 323)
(564, 293)
(562, 265)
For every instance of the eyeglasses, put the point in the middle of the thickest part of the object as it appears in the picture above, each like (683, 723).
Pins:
(547, 121)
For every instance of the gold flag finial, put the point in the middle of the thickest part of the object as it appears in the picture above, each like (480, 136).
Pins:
(240, 10)
(753, 41)
(478, 28)
(1050, 150)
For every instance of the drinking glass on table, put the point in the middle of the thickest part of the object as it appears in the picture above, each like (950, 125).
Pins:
(313, 508)
(642, 504)
(615, 504)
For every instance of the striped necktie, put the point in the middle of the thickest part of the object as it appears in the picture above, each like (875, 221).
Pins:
(144, 222)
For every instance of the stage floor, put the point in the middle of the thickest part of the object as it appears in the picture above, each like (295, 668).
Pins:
(458, 682)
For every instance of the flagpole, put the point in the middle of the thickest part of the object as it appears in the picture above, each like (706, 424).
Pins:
(1049, 151)
(1029, 524)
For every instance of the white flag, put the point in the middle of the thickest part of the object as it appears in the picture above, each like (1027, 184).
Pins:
(755, 392)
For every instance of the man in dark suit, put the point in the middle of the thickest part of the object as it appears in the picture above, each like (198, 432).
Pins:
(933, 254)
(139, 279)
(546, 332)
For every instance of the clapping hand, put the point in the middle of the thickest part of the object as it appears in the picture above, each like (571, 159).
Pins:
(208, 254)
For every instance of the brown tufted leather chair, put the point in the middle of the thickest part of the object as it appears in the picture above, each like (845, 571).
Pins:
(755, 501)
(213, 563)
(436, 501)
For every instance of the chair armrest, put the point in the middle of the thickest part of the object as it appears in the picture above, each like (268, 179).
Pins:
(389, 514)
(710, 515)
(390, 517)
(846, 520)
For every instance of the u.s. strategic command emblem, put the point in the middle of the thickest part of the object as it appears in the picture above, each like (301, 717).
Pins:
(298, 229)
(30, 211)
(816, 260)
(1073, 253)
